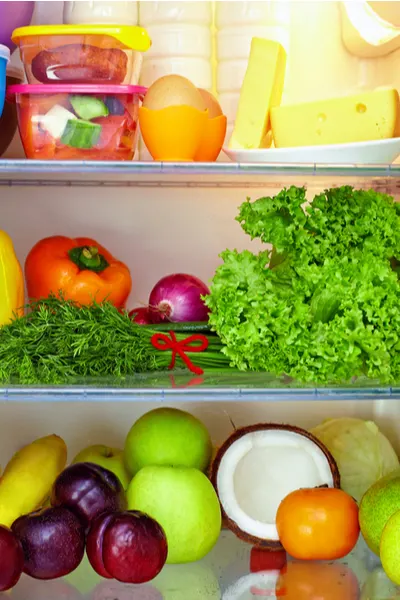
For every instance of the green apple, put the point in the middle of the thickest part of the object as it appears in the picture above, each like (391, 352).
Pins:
(169, 437)
(185, 504)
(377, 505)
(390, 548)
(108, 458)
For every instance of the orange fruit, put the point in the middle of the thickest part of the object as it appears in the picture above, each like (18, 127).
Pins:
(318, 524)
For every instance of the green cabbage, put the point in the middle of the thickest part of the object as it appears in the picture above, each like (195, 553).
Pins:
(362, 453)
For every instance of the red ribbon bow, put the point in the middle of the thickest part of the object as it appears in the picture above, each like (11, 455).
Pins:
(193, 343)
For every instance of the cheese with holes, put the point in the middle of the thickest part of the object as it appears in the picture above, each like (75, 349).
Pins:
(361, 117)
(261, 90)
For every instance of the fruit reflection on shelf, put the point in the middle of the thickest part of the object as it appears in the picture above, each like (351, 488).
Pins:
(267, 481)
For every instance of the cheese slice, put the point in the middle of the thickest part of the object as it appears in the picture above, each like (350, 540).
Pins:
(362, 117)
(261, 90)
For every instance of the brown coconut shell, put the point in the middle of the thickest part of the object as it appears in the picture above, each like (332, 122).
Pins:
(209, 473)
(271, 545)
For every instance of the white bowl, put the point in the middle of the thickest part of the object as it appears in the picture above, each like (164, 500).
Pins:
(378, 152)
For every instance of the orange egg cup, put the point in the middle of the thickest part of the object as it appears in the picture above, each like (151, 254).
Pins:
(213, 139)
(174, 133)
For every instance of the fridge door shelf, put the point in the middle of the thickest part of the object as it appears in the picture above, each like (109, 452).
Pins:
(184, 388)
(385, 178)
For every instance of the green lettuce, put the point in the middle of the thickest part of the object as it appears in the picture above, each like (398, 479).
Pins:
(323, 304)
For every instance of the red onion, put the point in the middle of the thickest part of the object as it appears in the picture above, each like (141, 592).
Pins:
(177, 298)
(141, 315)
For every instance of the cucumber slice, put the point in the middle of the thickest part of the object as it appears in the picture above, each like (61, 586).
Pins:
(81, 134)
(88, 107)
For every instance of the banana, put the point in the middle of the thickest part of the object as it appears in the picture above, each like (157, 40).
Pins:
(29, 477)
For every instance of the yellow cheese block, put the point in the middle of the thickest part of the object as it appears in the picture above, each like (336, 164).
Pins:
(261, 90)
(358, 118)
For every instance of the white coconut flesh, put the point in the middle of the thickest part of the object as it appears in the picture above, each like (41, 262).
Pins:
(260, 469)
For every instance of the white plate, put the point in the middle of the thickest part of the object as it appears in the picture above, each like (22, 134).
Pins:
(380, 152)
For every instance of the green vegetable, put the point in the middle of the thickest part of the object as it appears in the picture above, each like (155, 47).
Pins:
(60, 342)
(88, 107)
(323, 306)
(81, 134)
(362, 453)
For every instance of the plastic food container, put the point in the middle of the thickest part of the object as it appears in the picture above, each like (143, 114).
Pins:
(4, 60)
(78, 122)
(90, 54)
(94, 11)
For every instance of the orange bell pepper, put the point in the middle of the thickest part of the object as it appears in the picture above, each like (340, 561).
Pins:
(76, 269)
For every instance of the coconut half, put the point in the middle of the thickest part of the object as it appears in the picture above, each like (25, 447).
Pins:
(257, 467)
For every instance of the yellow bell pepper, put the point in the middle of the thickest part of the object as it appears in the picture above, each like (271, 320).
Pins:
(11, 281)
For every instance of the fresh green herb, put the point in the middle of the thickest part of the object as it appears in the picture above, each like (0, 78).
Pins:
(324, 304)
(58, 342)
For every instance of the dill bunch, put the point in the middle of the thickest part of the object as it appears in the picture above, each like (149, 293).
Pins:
(58, 342)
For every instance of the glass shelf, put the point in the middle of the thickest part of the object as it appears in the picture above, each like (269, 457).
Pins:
(219, 174)
(225, 574)
(183, 387)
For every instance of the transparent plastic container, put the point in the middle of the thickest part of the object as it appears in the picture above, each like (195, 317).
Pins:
(90, 54)
(194, 68)
(152, 13)
(182, 43)
(78, 122)
(124, 13)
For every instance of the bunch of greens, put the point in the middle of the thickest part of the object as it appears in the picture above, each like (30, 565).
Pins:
(324, 304)
(58, 342)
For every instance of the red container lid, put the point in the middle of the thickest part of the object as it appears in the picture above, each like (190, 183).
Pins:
(65, 88)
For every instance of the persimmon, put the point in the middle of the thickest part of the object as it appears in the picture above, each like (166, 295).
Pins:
(318, 524)
(317, 581)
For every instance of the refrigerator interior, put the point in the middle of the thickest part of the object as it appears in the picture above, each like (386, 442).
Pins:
(179, 220)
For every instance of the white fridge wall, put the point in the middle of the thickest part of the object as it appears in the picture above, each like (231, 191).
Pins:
(84, 424)
(155, 231)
